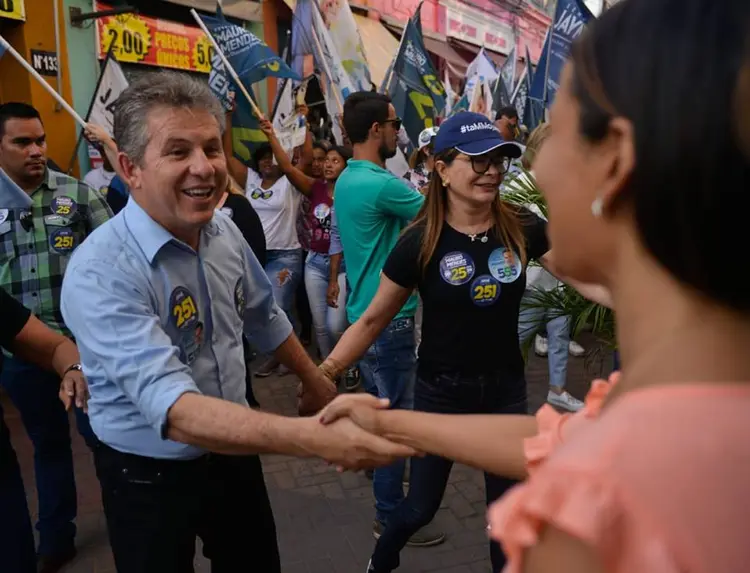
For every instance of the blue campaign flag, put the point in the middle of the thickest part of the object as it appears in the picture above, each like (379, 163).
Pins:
(417, 93)
(519, 99)
(246, 132)
(571, 16)
(250, 57)
(536, 90)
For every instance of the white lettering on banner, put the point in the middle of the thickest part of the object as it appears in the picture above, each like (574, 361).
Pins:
(234, 40)
(570, 25)
(415, 57)
(477, 27)
(477, 127)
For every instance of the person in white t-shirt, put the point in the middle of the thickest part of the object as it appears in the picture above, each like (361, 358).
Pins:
(101, 177)
(277, 203)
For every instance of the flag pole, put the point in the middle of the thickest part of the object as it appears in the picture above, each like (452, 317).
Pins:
(27, 66)
(226, 63)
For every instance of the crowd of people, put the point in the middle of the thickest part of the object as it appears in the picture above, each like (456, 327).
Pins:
(139, 297)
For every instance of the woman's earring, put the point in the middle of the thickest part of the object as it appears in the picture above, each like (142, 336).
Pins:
(597, 207)
(446, 182)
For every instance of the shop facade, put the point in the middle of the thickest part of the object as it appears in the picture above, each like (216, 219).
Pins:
(33, 34)
(160, 35)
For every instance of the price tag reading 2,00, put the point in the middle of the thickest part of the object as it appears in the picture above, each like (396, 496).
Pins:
(131, 38)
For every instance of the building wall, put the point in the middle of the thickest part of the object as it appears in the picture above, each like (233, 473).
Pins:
(81, 49)
(530, 24)
(16, 84)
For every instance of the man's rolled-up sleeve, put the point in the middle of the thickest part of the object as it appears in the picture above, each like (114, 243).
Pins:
(265, 324)
(121, 341)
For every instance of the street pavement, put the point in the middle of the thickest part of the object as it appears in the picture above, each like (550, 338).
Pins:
(323, 518)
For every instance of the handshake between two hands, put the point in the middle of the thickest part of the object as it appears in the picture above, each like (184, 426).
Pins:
(347, 431)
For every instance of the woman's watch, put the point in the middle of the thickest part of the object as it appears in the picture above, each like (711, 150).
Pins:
(77, 367)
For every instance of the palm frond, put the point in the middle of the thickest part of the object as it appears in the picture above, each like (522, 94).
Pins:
(521, 189)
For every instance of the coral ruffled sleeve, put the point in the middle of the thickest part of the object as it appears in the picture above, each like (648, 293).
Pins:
(579, 503)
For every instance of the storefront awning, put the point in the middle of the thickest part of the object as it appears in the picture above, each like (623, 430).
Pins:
(466, 47)
(455, 62)
(249, 11)
(380, 46)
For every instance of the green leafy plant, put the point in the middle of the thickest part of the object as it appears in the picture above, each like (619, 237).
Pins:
(521, 189)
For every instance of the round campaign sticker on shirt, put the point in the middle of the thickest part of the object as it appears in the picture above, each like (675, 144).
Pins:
(62, 241)
(321, 211)
(63, 205)
(505, 265)
(239, 298)
(259, 193)
(3, 215)
(457, 268)
(485, 290)
(183, 310)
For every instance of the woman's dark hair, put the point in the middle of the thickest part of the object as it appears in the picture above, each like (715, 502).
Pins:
(343, 150)
(678, 71)
(361, 110)
(321, 144)
(261, 152)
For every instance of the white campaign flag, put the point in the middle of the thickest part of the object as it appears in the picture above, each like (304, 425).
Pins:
(339, 20)
(480, 69)
(288, 125)
(112, 84)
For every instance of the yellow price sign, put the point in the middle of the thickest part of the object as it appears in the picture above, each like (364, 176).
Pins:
(12, 9)
(203, 51)
(131, 37)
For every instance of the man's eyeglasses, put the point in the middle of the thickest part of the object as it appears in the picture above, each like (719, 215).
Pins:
(27, 220)
(396, 123)
(481, 163)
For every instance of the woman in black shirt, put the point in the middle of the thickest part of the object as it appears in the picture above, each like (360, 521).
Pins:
(238, 208)
(466, 253)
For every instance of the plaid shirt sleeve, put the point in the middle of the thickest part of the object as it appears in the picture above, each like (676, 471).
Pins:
(99, 210)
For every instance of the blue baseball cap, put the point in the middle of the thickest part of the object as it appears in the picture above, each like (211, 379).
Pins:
(473, 134)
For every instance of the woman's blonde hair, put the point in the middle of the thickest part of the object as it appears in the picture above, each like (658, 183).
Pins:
(534, 143)
(233, 187)
(506, 222)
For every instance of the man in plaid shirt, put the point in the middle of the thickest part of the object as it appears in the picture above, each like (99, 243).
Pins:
(39, 230)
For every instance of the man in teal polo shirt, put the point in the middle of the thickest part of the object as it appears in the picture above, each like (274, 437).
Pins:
(372, 208)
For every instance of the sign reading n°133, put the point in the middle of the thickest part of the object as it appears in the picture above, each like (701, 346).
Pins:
(12, 9)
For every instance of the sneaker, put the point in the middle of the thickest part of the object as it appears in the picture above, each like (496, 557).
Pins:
(540, 346)
(564, 400)
(575, 349)
(428, 536)
(267, 368)
(351, 379)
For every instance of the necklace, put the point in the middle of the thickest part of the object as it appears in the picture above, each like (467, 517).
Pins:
(482, 239)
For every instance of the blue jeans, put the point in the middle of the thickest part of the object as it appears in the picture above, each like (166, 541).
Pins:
(558, 340)
(448, 393)
(284, 270)
(329, 323)
(388, 369)
(34, 392)
(16, 538)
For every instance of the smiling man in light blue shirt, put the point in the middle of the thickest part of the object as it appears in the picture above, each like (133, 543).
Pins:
(158, 299)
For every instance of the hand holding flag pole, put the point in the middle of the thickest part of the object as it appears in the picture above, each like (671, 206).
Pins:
(227, 65)
(58, 98)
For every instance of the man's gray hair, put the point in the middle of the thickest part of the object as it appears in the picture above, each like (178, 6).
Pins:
(163, 89)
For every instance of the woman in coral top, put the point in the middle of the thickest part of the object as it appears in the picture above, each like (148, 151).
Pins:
(646, 171)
